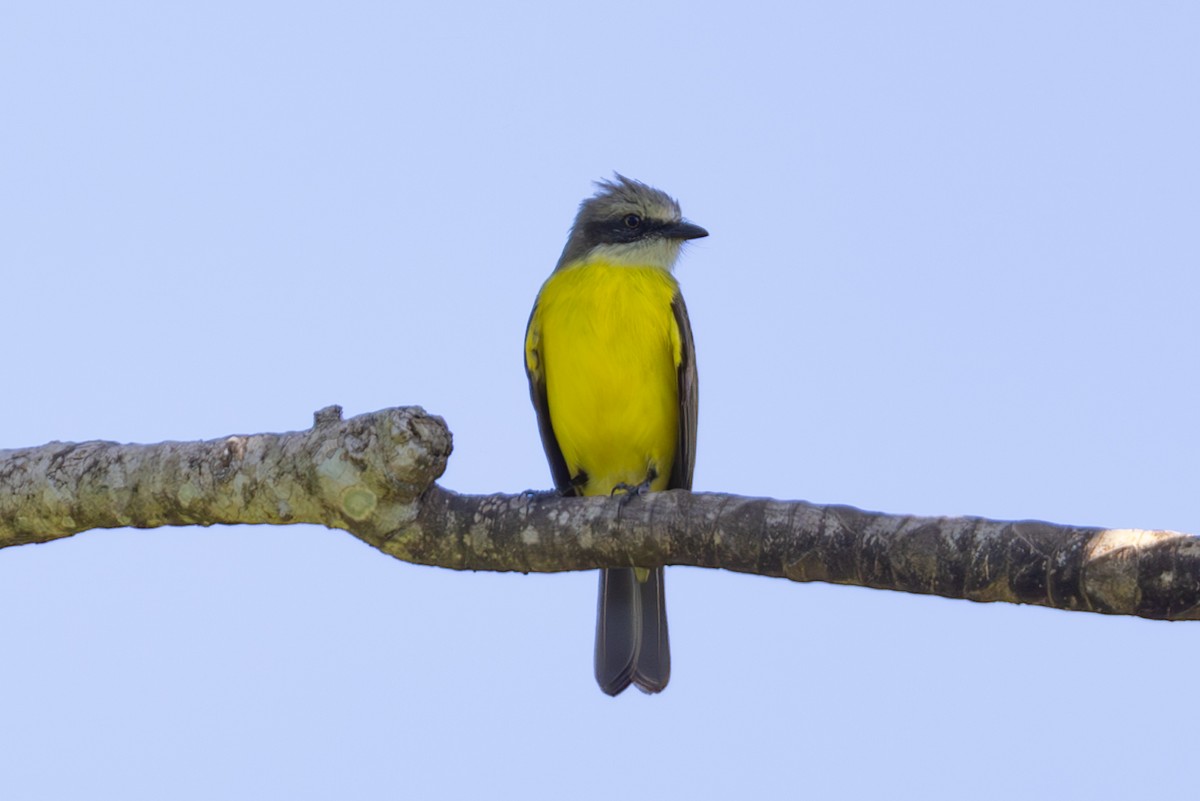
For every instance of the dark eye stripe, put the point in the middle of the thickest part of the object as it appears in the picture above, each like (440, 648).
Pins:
(616, 230)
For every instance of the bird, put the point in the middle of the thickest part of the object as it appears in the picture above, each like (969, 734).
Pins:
(612, 375)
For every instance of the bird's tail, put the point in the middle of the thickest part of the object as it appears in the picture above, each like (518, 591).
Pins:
(631, 631)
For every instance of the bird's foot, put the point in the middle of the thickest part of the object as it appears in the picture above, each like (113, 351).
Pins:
(630, 491)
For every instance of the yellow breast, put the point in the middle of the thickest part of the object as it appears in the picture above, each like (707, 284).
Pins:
(606, 340)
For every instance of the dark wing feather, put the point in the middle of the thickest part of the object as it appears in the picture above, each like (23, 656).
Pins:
(537, 393)
(652, 660)
(685, 445)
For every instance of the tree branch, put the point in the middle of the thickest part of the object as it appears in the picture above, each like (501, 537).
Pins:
(374, 475)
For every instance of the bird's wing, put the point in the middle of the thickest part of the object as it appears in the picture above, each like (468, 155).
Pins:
(685, 444)
(537, 393)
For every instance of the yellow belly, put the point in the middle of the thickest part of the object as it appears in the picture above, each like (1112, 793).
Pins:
(609, 348)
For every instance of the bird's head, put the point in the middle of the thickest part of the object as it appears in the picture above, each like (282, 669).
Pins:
(629, 223)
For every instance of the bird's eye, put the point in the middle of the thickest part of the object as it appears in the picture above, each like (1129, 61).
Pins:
(632, 221)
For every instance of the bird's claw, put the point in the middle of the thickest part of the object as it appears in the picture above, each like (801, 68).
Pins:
(627, 492)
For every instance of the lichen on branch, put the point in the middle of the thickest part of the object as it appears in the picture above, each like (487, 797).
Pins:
(374, 476)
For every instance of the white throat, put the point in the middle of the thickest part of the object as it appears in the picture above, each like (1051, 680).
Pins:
(653, 252)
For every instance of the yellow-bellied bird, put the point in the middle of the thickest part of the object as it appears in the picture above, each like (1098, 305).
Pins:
(612, 374)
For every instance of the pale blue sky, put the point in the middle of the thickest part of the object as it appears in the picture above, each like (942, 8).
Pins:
(953, 269)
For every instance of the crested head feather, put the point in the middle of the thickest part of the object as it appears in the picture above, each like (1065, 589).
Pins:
(625, 195)
(613, 201)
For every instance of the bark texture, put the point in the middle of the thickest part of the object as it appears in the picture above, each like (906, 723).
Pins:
(374, 475)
